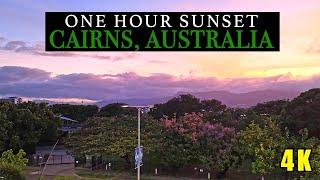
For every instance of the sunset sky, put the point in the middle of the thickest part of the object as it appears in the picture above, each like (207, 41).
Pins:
(26, 70)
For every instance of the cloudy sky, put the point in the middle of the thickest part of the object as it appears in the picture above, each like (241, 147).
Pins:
(27, 70)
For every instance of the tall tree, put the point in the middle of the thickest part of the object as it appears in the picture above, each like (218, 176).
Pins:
(303, 112)
(187, 103)
(200, 143)
(264, 145)
(219, 148)
(271, 107)
(212, 105)
(115, 136)
(76, 112)
(12, 165)
(177, 106)
(116, 109)
(25, 125)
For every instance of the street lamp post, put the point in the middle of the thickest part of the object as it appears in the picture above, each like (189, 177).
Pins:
(139, 137)
(139, 141)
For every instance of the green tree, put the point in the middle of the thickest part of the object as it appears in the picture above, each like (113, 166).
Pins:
(76, 112)
(229, 117)
(189, 140)
(176, 151)
(315, 161)
(264, 145)
(8, 172)
(219, 148)
(4, 129)
(212, 105)
(270, 107)
(25, 124)
(179, 146)
(17, 161)
(116, 136)
(303, 141)
(116, 109)
(303, 112)
(177, 106)
(187, 103)
(12, 165)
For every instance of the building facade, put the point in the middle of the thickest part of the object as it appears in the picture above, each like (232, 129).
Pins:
(14, 100)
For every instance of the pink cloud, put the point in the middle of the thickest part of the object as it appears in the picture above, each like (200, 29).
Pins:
(38, 83)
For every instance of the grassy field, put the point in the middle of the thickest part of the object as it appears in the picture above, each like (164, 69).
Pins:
(32, 174)
(80, 173)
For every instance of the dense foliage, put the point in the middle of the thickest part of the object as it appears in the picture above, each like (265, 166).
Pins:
(206, 144)
(12, 165)
(184, 132)
(175, 142)
(185, 103)
(271, 107)
(116, 109)
(264, 145)
(114, 136)
(76, 112)
(303, 112)
(26, 124)
(188, 132)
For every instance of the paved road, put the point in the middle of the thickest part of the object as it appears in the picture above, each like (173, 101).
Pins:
(51, 170)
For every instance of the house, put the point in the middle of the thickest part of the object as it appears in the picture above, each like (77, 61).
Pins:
(14, 100)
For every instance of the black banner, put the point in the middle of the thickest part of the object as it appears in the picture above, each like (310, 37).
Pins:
(162, 31)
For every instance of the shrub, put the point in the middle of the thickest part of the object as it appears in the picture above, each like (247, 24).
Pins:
(17, 161)
(9, 172)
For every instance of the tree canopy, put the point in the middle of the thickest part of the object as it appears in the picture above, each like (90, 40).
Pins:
(114, 136)
(12, 165)
(26, 124)
(181, 133)
(271, 107)
(186, 103)
(76, 112)
(116, 109)
(171, 142)
(264, 145)
(303, 112)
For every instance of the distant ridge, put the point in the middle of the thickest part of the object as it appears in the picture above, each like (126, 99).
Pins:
(230, 99)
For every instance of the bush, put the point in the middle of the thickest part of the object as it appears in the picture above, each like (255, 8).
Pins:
(11, 165)
(9, 172)
(17, 161)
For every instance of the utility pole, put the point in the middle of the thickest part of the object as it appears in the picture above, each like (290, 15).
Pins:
(139, 128)
(139, 141)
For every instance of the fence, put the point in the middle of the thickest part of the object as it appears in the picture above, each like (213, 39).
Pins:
(53, 160)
